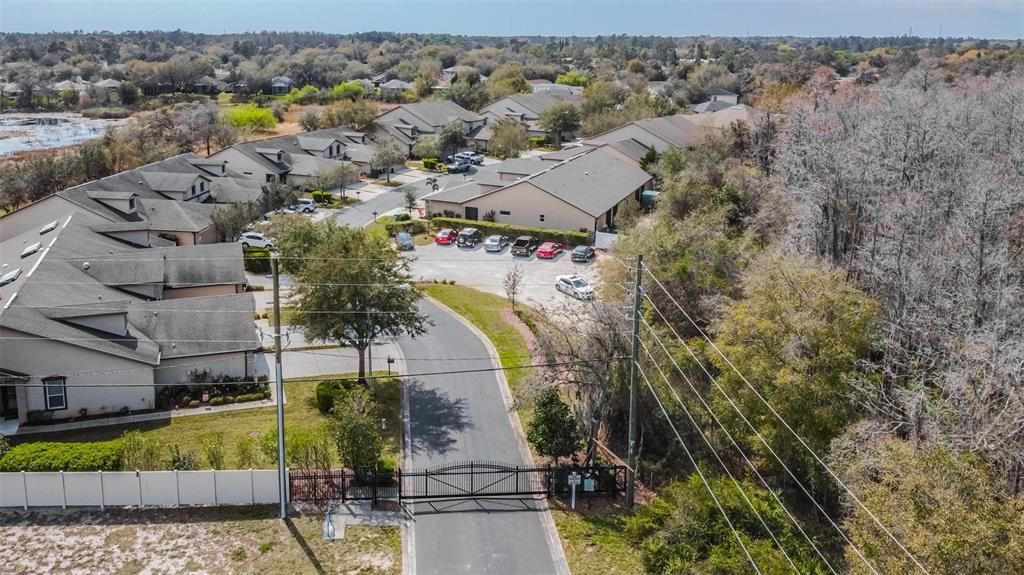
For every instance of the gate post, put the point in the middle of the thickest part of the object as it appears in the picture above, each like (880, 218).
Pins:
(399, 485)
(472, 476)
(551, 481)
(517, 480)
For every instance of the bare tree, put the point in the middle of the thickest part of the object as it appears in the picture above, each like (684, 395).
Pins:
(513, 283)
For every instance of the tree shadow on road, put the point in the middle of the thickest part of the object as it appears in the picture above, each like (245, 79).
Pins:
(435, 419)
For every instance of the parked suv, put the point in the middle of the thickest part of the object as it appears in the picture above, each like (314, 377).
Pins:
(466, 158)
(524, 246)
(469, 237)
(304, 205)
(458, 167)
(255, 240)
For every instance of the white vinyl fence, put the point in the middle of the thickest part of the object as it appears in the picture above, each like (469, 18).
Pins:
(605, 240)
(137, 488)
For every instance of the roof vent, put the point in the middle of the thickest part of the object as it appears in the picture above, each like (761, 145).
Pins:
(10, 276)
(49, 227)
(31, 249)
(85, 266)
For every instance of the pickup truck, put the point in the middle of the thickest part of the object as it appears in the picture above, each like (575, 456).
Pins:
(524, 246)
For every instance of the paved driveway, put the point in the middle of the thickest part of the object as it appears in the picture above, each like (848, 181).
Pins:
(486, 271)
(461, 417)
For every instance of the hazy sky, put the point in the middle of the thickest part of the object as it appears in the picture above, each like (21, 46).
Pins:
(979, 18)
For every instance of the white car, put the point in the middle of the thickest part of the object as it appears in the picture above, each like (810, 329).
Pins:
(575, 286)
(255, 240)
(304, 205)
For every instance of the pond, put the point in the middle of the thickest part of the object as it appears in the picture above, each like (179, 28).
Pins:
(24, 132)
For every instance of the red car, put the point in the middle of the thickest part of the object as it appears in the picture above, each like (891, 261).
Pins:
(446, 237)
(548, 250)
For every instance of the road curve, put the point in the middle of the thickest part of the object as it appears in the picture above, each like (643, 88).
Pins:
(462, 417)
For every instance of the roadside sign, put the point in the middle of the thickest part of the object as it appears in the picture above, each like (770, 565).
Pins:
(589, 485)
(574, 480)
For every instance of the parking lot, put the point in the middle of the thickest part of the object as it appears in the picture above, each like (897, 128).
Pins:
(486, 271)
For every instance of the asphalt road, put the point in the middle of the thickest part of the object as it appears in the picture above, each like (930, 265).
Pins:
(456, 418)
(360, 214)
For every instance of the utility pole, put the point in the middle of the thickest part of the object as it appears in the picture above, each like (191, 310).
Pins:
(634, 357)
(282, 476)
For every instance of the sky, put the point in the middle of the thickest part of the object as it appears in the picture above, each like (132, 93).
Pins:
(929, 18)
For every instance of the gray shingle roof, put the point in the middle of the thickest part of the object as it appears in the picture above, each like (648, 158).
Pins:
(658, 133)
(593, 181)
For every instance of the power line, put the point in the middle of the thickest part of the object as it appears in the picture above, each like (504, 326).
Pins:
(355, 378)
(787, 426)
(725, 467)
(729, 436)
(700, 473)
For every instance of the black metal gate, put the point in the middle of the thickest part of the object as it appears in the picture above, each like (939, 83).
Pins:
(475, 479)
(463, 480)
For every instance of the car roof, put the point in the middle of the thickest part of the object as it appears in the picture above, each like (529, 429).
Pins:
(580, 248)
(550, 243)
(445, 230)
(468, 230)
(495, 236)
(404, 235)
(524, 238)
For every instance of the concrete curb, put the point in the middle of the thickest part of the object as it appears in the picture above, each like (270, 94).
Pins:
(408, 523)
(548, 522)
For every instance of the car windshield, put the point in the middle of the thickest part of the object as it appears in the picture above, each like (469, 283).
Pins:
(580, 249)
(444, 232)
(579, 283)
(467, 232)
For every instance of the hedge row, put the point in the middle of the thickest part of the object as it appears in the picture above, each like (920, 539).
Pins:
(52, 456)
(328, 391)
(510, 230)
(256, 260)
(413, 227)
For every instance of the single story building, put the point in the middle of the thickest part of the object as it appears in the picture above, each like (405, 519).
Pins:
(582, 193)
(408, 122)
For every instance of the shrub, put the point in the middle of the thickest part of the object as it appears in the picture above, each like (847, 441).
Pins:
(140, 452)
(219, 400)
(321, 197)
(4, 446)
(194, 403)
(386, 464)
(430, 163)
(543, 234)
(251, 116)
(182, 460)
(403, 217)
(246, 453)
(537, 142)
(412, 226)
(52, 456)
(256, 260)
(328, 391)
(213, 450)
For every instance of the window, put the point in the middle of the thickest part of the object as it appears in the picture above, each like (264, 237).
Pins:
(542, 217)
(505, 212)
(10, 276)
(56, 393)
(270, 178)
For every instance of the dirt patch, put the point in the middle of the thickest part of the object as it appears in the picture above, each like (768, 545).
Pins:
(197, 540)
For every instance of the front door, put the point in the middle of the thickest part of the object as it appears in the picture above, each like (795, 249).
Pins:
(471, 213)
(8, 402)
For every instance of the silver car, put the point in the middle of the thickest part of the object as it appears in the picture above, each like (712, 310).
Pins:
(495, 243)
(575, 286)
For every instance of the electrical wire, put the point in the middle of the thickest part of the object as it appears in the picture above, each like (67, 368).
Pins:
(728, 435)
(802, 442)
(763, 441)
(368, 377)
(700, 473)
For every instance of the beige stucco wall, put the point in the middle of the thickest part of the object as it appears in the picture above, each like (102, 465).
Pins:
(201, 291)
(526, 203)
(41, 358)
(176, 370)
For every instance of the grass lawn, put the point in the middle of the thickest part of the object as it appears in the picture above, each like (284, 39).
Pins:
(196, 540)
(595, 542)
(387, 184)
(287, 312)
(300, 414)
(484, 310)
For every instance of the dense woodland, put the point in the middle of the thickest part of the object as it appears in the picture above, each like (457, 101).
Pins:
(833, 312)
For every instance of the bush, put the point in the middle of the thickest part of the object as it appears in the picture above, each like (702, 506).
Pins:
(256, 260)
(430, 163)
(328, 391)
(247, 453)
(140, 452)
(403, 217)
(182, 460)
(543, 234)
(537, 142)
(194, 403)
(52, 456)
(386, 464)
(251, 116)
(321, 197)
(219, 400)
(412, 226)
(4, 446)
